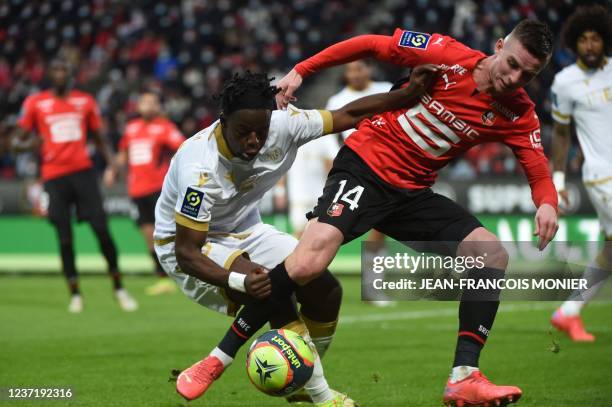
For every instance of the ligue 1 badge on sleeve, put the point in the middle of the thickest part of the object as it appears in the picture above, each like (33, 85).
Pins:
(335, 209)
(413, 39)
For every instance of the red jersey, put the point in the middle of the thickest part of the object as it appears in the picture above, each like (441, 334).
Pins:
(145, 143)
(62, 124)
(407, 147)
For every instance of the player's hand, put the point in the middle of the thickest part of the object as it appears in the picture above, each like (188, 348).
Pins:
(288, 85)
(108, 178)
(564, 203)
(546, 225)
(257, 283)
(421, 77)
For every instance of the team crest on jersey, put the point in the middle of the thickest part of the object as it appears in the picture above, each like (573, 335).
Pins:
(413, 39)
(335, 209)
(192, 202)
(488, 118)
(274, 154)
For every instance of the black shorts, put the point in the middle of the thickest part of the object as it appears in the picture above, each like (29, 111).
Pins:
(79, 189)
(146, 208)
(356, 200)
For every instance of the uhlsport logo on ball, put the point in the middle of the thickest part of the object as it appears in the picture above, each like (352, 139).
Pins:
(279, 362)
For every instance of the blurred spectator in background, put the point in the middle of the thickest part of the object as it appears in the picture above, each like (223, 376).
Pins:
(54, 123)
(146, 147)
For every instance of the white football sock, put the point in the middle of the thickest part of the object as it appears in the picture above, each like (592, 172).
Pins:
(461, 372)
(222, 356)
(571, 308)
(595, 276)
(317, 387)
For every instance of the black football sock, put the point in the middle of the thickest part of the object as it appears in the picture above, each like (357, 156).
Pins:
(255, 315)
(477, 312)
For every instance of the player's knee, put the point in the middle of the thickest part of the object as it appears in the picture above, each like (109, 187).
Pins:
(483, 244)
(498, 257)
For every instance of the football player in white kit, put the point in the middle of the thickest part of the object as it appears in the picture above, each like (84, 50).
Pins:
(206, 218)
(582, 94)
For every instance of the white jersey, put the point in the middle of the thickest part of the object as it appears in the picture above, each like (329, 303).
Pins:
(585, 95)
(307, 176)
(348, 94)
(208, 189)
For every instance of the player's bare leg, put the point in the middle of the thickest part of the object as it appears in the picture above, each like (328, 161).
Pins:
(466, 385)
(314, 253)
(567, 317)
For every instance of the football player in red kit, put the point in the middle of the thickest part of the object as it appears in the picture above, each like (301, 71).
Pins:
(382, 178)
(55, 122)
(146, 147)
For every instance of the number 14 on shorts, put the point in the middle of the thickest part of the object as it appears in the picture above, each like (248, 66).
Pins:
(351, 197)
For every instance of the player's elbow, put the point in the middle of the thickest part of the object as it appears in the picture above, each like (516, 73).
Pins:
(184, 257)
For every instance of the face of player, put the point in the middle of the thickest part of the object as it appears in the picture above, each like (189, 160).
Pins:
(148, 106)
(246, 132)
(358, 75)
(590, 48)
(59, 76)
(514, 67)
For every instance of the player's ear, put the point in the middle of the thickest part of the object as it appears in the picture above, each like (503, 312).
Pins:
(499, 45)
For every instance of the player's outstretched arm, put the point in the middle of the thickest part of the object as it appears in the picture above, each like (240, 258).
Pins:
(362, 46)
(349, 115)
(561, 145)
(188, 248)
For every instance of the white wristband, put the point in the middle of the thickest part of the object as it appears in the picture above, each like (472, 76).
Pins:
(236, 281)
(559, 180)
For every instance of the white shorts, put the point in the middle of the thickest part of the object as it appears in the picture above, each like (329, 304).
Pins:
(601, 197)
(263, 243)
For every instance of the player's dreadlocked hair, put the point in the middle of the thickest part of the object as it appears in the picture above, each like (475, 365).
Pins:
(247, 91)
(536, 37)
(588, 18)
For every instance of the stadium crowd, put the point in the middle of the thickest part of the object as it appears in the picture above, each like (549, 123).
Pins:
(185, 50)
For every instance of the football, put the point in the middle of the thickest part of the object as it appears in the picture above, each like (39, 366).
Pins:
(279, 362)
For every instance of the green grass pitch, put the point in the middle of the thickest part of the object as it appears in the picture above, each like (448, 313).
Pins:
(382, 357)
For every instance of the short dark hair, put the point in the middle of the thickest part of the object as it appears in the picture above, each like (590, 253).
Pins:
(535, 36)
(587, 18)
(247, 91)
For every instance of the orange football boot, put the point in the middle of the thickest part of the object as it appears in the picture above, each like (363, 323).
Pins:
(572, 326)
(194, 381)
(477, 390)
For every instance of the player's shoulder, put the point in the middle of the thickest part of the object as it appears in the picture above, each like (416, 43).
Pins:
(77, 94)
(427, 41)
(569, 74)
(201, 147)
(37, 97)
(133, 125)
